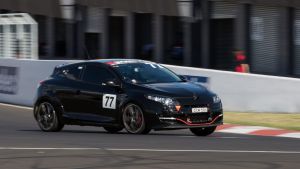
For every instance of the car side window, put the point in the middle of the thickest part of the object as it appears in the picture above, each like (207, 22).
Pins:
(97, 74)
(72, 73)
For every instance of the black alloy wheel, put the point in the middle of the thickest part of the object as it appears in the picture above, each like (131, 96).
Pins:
(48, 118)
(134, 121)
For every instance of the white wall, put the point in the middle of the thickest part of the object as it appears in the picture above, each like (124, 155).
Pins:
(239, 92)
(31, 72)
(250, 92)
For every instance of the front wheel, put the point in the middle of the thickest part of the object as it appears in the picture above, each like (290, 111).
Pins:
(203, 131)
(134, 121)
(47, 118)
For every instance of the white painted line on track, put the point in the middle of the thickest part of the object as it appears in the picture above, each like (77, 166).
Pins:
(209, 151)
(15, 106)
(47, 148)
(244, 129)
(291, 135)
(153, 150)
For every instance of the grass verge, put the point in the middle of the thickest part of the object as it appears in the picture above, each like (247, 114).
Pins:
(282, 121)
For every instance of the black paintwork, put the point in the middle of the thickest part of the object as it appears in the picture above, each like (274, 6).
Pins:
(80, 102)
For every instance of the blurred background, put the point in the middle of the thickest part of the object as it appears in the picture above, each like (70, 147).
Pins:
(214, 34)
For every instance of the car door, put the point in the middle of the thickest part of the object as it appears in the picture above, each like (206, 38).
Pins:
(99, 101)
(68, 83)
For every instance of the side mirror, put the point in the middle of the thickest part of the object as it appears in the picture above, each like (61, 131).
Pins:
(112, 83)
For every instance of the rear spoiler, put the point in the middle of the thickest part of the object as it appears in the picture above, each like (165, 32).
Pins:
(57, 68)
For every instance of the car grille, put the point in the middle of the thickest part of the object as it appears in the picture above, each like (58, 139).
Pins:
(199, 118)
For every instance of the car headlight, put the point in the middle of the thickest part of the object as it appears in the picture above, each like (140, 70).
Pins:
(170, 103)
(216, 99)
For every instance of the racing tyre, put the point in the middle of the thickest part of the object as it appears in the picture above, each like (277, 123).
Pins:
(48, 117)
(203, 131)
(113, 129)
(134, 121)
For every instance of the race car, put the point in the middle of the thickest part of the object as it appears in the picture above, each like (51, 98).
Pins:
(137, 95)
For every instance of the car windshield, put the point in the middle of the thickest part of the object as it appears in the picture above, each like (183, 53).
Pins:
(143, 73)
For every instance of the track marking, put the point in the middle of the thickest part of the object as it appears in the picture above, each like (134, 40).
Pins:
(47, 148)
(208, 151)
(19, 107)
(244, 129)
(291, 135)
(211, 137)
(152, 150)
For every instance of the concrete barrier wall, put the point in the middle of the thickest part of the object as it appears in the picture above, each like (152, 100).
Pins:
(250, 92)
(239, 92)
(30, 73)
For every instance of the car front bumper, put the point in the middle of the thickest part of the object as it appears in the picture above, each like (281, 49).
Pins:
(182, 121)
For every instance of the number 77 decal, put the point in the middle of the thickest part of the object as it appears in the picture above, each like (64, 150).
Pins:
(109, 101)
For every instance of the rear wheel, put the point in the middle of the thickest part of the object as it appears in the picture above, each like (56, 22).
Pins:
(203, 131)
(113, 129)
(47, 117)
(134, 121)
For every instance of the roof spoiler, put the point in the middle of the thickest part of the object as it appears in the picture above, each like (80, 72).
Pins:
(56, 69)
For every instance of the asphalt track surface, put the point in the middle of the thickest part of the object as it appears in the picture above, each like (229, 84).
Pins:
(23, 145)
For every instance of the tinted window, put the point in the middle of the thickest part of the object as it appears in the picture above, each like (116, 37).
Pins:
(73, 72)
(146, 73)
(97, 74)
(27, 28)
(13, 28)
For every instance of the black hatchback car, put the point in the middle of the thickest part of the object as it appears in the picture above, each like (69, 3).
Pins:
(132, 94)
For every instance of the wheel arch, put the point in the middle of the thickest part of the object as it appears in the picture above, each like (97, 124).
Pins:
(54, 101)
(147, 116)
(130, 101)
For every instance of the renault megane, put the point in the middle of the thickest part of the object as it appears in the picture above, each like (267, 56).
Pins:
(119, 93)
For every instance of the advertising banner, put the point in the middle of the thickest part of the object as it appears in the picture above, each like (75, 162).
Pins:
(9, 77)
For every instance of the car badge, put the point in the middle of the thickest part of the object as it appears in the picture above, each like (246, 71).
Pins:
(189, 120)
(195, 97)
